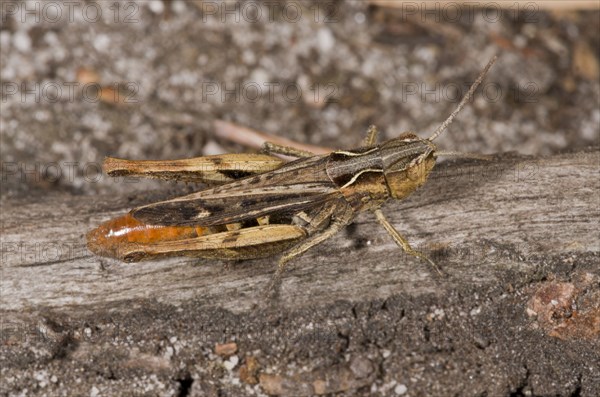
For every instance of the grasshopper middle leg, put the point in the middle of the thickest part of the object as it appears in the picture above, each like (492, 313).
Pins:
(341, 215)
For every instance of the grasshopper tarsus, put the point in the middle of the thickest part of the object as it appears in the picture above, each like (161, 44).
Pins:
(438, 270)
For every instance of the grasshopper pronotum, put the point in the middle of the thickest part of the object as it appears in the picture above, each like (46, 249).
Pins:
(262, 206)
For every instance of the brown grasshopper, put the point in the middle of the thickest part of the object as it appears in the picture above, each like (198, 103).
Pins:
(259, 205)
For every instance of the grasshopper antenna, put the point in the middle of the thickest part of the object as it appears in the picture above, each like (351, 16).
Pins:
(474, 156)
(464, 101)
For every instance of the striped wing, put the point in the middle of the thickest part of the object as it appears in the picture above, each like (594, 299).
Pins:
(294, 187)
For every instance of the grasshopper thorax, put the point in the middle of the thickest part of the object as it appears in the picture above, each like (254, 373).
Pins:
(407, 162)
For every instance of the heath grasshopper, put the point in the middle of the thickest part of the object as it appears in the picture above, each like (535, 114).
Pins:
(257, 205)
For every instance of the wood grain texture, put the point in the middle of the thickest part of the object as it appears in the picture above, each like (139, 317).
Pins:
(477, 220)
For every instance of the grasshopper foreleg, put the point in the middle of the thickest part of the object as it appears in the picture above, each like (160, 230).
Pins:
(403, 242)
(270, 147)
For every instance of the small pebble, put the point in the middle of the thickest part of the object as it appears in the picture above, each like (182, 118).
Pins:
(225, 349)
(475, 311)
(156, 6)
(400, 389)
(211, 148)
(22, 41)
(360, 17)
(325, 39)
(178, 6)
(231, 363)
(101, 42)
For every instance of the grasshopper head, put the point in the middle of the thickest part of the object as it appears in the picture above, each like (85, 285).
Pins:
(408, 159)
(407, 162)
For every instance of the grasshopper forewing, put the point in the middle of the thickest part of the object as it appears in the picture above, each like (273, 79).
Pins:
(259, 206)
(209, 169)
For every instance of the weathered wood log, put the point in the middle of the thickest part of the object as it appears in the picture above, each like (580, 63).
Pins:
(356, 314)
(476, 219)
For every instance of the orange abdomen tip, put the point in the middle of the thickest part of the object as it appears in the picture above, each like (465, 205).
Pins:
(113, 237)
